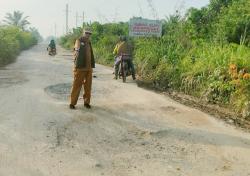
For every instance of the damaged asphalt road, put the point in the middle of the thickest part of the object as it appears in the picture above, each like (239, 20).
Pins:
(129, 132)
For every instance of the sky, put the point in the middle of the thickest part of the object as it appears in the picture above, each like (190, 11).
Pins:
(49, 16)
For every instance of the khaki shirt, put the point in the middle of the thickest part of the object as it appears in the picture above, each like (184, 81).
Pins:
(115, 52)
(123, 48)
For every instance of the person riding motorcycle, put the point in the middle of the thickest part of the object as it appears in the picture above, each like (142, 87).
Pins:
(115, 52)
(52, 47)
(123, 48)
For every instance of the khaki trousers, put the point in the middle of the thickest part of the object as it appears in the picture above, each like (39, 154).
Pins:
(81, 78)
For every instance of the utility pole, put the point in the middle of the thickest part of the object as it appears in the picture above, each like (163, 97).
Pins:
(76, 19)
(67, 18)
(83, 17)
(55, 30)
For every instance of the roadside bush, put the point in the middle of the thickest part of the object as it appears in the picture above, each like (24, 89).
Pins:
(12, 41)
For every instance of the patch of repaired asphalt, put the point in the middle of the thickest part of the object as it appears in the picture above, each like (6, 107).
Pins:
(59, 91)
(62, 91)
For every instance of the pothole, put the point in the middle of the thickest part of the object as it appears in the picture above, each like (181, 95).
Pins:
(62, 91)
(59, 91)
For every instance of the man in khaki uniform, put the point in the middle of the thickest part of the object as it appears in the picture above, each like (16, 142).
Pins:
(83, 68)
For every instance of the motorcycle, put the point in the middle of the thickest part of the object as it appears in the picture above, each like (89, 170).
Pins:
(124, 69)
(52, 51)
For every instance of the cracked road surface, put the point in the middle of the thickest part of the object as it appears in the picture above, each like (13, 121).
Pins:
(129, 132)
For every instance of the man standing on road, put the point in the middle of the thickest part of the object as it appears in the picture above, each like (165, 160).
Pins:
(83, 68)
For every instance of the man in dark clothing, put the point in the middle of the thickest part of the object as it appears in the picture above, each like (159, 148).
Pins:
(83, 68)
(52, 48)
(52, 44)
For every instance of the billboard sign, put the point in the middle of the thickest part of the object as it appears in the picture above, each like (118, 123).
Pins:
(139, 27)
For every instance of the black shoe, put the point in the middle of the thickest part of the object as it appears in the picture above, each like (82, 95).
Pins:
(87, 106)
(72, 106)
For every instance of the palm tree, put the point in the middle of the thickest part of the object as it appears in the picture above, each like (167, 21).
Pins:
(16, 19)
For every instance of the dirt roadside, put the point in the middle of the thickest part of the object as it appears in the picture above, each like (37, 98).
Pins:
(223, 113)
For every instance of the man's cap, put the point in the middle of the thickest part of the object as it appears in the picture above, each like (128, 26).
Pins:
(87, 30)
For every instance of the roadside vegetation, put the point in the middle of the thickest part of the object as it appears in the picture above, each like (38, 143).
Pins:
(15, 37)
(205, 53)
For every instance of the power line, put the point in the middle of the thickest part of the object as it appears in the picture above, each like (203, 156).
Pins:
(79, 17)
(55, 30)
(153, 10)
(102, 17)
(67, 11)
(140, 8)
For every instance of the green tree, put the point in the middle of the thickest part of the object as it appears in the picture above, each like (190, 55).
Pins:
(17, 19)
(36, 34)
(234, 23)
